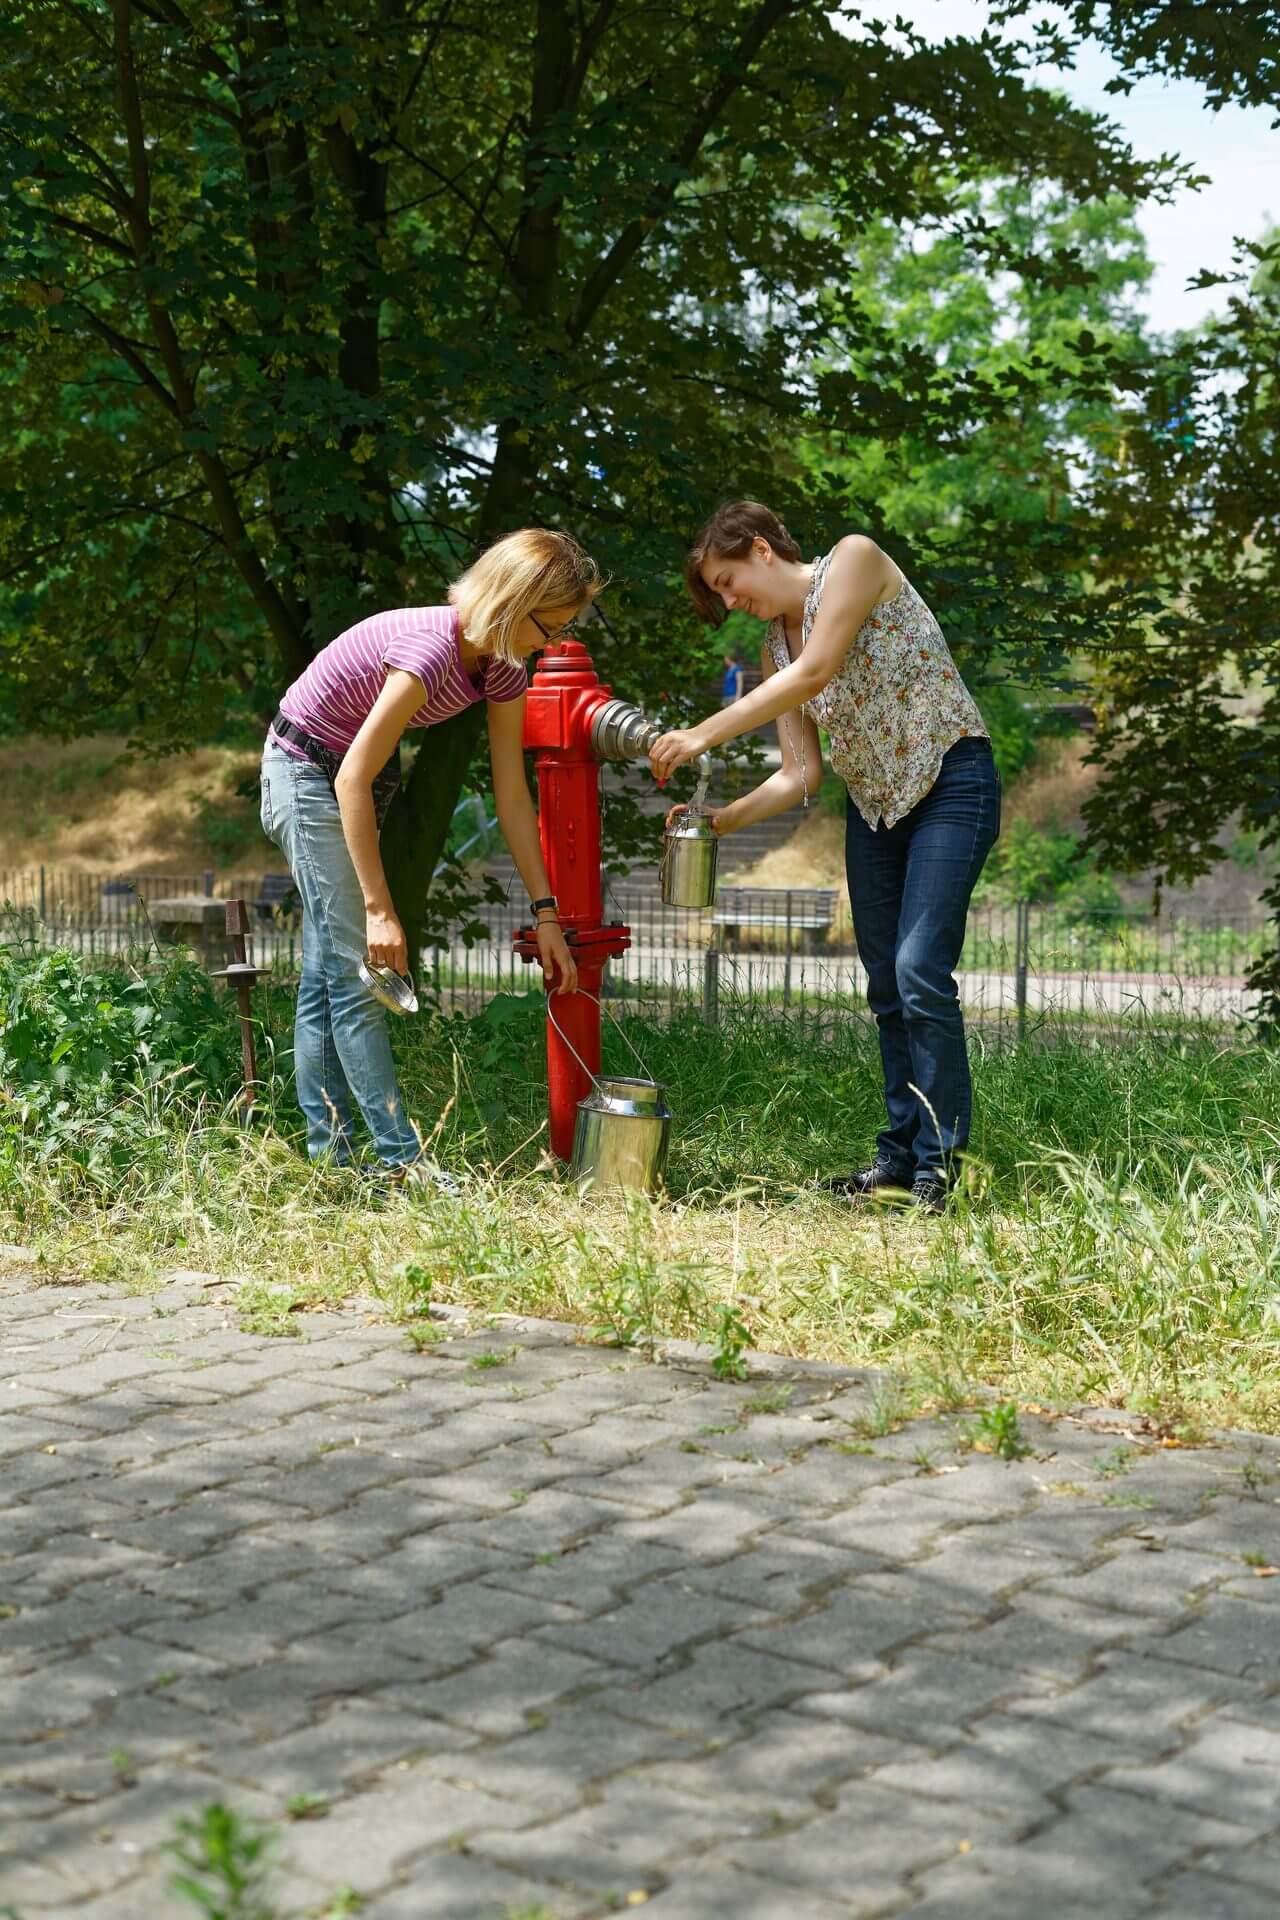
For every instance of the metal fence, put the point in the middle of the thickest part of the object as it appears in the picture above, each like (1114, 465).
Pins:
(781, 951)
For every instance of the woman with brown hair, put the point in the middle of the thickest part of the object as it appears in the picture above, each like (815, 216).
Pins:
(849, 644)
(329, 771)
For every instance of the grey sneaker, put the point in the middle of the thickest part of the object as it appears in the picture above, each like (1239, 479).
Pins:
(425, 1177)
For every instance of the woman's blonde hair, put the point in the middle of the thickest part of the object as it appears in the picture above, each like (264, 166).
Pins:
(536, 567)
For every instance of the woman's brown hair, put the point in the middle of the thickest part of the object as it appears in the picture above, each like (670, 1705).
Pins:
(730, 532)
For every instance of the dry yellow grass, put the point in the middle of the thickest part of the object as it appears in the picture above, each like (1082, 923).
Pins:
(88, 806)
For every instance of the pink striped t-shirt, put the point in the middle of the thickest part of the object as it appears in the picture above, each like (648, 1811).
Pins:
(335, 695)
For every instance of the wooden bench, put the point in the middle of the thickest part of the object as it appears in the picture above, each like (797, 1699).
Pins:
(278, 898)
(806, 911)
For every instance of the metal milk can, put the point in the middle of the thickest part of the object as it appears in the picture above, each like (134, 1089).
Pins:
(689, 851)
(623, 1129)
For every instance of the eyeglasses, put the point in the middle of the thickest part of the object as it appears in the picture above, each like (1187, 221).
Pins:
(565, 632)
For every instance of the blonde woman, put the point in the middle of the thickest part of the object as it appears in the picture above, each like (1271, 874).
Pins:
(329, 771)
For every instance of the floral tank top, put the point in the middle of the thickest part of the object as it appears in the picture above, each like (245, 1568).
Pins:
(893, 708)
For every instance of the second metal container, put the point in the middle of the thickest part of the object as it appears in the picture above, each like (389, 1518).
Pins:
(622, 1135)
(689, 850)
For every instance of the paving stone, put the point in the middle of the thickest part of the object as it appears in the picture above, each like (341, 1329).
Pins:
(714, 1888)
(782, 1572)
(968, 1889)
(1104, 1840)
(1233, 1636)
(364, 1841)
(1226, 1767)
(621, 1842)
(926, 1695)
(896, 1521)
(865, 1847)
(1043, 1633)
(1255, 1865)
(1137, 1580)
(1198, 1896)
(717, 1681)
(664, 1617)
(447, 1885)
(783, 1761)
(503, 1691)
(553, 1769)
(1005, 1765)
(1133, 1700)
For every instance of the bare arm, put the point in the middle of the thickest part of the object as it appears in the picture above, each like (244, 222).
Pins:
(518, 819)
(859, 575)
(801, 768)
(402, 694)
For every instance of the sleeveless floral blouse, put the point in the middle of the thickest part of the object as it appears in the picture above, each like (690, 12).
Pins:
(893, 708)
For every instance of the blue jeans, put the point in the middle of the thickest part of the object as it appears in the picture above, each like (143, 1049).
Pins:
(341, 1046)
(909, 886)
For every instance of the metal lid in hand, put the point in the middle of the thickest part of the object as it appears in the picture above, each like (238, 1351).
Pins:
(394, 990)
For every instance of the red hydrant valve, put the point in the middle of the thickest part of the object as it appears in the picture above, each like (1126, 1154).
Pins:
(563, 704)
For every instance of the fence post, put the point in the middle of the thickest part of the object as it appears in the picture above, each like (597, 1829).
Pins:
(786, 971)
(1021, 947)
(42, 896)
(208, 884)
(711, 987)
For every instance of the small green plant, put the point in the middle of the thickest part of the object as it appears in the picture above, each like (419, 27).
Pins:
(165, 1679)
(1255, 1559)
(732, 1337)
(890, 1405)
(123, 1767)
(267, 1311)
(415, 1283)
(1127, 1500)
(481, 1362)
(307, 1806)
(1254, 1476)
(424, 1334)
(768, 1400)
(996, 1430)
(224, 1862)
(345, 1902)
(1119, 1460)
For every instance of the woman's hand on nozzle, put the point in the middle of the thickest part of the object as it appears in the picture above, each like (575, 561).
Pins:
(673, 749)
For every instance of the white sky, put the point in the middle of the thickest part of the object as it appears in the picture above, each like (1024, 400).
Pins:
(1235, 146)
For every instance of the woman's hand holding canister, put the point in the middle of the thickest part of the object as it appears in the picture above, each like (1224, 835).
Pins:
(384, 939)
(717, 818)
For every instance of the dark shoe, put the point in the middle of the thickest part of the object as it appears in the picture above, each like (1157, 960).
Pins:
(929, 1193)
(870, 1180)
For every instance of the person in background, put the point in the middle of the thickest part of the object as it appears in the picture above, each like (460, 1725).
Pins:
(735, 675)
(329, 771)
(851, 645)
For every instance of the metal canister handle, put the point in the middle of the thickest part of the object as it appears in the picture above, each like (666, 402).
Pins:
(574, 1051)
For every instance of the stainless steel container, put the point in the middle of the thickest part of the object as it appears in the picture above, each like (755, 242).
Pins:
(622, 1135)
(689, 851)
(623, 1128)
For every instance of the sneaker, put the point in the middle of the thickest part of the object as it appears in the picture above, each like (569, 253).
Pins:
(425, 1177)
(882, 1174)
(929, 1193)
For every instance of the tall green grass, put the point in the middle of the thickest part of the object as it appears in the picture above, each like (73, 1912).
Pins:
(1119, 1237)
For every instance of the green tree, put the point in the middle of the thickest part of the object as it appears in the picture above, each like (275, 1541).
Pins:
(303, 303)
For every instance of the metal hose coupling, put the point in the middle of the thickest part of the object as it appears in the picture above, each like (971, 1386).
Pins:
(619, 731)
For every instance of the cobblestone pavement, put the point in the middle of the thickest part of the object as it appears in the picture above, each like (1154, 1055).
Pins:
(560, 1632)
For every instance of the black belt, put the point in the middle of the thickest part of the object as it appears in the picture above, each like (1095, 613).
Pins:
(385, 783)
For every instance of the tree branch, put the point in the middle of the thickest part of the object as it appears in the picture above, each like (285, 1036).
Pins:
(633, 236)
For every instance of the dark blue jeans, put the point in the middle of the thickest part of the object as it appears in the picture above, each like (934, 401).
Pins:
(909, 886)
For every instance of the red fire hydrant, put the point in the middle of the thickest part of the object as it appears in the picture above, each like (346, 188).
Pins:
(572, 722)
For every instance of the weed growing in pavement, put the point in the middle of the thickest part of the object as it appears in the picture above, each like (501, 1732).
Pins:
(732, 1337)
(1119, 1460)
(1127, 1251)
(996, 1430)
(768, 1400)
(224, 1861)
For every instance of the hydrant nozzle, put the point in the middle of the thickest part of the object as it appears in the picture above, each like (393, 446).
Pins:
(620, 731)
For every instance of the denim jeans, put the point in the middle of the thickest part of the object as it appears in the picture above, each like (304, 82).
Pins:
(341, 1046)
(909, 886)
